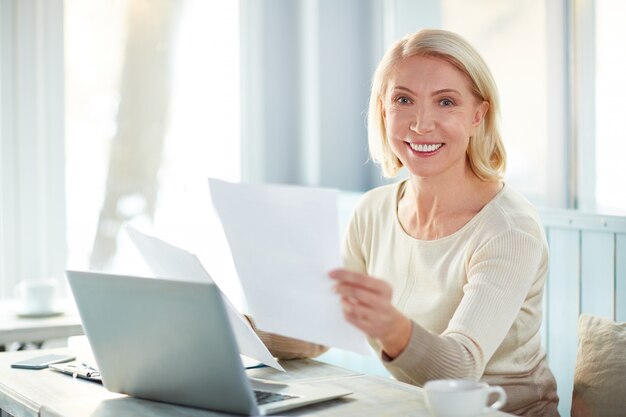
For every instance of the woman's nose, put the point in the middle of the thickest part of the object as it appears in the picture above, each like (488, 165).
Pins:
(422, 122)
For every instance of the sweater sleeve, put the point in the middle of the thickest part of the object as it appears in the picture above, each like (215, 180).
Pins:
(499, 276)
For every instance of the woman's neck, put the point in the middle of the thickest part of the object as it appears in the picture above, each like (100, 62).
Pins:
(431, 208)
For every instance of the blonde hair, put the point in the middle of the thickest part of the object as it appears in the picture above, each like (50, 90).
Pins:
(486, 154)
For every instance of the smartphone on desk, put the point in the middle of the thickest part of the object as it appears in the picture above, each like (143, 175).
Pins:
(41, 362)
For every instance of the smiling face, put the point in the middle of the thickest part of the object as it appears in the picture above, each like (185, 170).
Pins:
(430, 113)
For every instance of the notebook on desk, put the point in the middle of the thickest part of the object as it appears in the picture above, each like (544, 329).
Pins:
(171, 341)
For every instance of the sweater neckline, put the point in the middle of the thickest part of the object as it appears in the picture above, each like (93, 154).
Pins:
(398, 192)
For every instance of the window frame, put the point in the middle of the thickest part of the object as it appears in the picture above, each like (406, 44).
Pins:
(32, 171)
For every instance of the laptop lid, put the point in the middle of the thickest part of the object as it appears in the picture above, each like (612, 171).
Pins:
(171, 341)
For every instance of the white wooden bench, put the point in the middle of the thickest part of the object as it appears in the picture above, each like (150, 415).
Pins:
(587, 275)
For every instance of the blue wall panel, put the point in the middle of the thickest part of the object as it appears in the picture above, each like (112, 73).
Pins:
(620, 277)
(597, 274)
(563, 310)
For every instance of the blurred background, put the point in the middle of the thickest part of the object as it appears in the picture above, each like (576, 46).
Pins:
(118, 110)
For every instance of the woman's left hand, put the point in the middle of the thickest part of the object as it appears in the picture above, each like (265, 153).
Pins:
(366, 303)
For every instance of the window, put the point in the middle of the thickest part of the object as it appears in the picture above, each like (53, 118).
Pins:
(512, 37)
(610, 89)
(152, 110)
(185, 110)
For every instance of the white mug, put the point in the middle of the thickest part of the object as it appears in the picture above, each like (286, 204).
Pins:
(36, 296)
(461, 398)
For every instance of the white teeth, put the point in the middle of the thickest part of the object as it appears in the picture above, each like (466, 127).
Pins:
(425, 148)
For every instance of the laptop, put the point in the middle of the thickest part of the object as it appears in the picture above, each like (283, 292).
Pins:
(171, 341)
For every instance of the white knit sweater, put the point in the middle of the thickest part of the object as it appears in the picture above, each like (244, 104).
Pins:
(475, 296)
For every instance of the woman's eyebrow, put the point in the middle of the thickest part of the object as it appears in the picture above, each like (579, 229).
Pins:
(434, 93)
(446, 91)
(399, 87)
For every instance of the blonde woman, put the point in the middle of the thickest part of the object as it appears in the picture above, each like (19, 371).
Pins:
(444, 271)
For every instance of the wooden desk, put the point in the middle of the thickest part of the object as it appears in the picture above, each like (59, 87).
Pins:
(46, 393)
(17, 329)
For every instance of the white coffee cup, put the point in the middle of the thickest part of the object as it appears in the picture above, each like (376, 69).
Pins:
(461, 398)
(36, 296)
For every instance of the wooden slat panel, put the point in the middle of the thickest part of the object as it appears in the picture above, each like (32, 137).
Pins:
(620, 277)
(544, 305)
(577, 220)
(597, 270)
(563, 310)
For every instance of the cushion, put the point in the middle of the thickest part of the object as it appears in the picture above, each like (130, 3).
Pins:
(600, 373)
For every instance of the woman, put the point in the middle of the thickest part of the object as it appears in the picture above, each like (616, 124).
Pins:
(444, 271)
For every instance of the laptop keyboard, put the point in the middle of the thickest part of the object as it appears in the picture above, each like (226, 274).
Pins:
(266, 397)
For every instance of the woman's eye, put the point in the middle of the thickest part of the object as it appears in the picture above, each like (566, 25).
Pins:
(403, 100)
(446, 102)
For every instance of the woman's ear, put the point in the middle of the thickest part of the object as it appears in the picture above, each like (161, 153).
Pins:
(479, 114)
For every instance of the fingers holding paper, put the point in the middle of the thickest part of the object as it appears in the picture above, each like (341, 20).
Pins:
(366, 303)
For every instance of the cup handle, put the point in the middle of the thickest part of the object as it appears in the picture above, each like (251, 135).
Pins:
(501, 397)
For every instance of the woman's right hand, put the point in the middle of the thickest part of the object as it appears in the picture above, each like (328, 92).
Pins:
(366, 303)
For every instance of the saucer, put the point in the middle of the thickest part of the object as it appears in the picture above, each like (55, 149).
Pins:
(33, 314)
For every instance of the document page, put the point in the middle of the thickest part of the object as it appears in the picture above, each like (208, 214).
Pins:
(284, 240)
(168, 261)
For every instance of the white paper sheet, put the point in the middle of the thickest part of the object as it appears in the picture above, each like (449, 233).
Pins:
(168, 261)
(284, 240)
